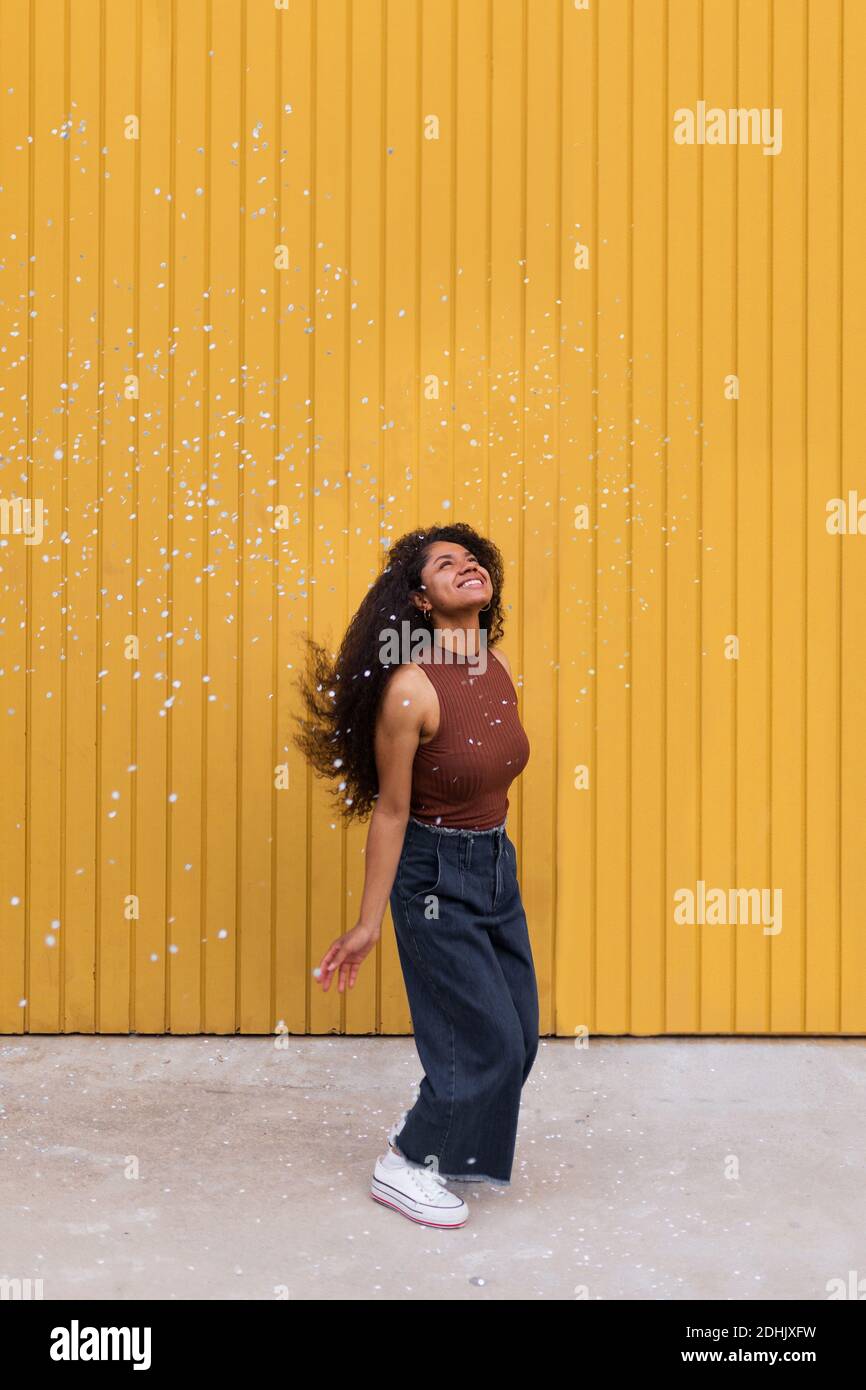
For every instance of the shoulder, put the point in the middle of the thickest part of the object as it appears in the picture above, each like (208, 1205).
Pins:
(407, 696)
(408, 677)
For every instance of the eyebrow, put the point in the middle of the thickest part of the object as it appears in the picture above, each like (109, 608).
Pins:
(448, 556)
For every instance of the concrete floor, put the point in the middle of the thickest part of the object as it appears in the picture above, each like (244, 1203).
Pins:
(254, 1165)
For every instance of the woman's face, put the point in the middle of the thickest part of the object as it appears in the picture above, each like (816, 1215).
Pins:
(454, 584)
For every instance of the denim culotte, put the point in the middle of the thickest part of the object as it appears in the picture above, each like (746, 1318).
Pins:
(470, 978)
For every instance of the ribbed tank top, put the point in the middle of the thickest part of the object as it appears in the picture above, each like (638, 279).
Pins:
(461, 777)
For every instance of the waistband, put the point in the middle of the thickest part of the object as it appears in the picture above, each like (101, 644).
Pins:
(456, 830)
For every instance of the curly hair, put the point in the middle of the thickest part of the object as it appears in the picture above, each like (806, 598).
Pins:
(341, 697)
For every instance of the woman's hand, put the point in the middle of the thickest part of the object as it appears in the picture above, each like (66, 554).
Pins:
(346, 954)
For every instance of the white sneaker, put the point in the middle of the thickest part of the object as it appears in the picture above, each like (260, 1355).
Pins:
(419, 1193)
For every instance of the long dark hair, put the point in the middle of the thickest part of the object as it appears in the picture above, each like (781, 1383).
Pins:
(341, 697)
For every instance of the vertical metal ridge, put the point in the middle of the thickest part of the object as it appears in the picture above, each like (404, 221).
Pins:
(804, 876)
(629, 702)
(169, 733)
(735, 557)
(347, 437)
(557, 567)
(665, 350)
(452, 288)
(488, 245)
(735, 581)
(699, 537)
(840, 183)
(418, 144)
(275, 538)
(100, 485)
(770, 514)
(381, 491)
(311, 473)
(241, 397)
(593, 776)
(28, 559)
(521, 511)
(64, 565)
(136, 491)
(206, 466)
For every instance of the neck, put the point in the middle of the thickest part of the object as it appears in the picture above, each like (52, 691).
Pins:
(464, 639)
(464, 631)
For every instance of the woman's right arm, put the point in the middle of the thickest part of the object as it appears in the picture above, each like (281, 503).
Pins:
(403, 714)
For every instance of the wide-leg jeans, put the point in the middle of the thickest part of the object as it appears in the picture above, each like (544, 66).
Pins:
(470, 978)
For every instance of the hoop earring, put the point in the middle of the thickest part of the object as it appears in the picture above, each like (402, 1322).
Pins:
(486, 606)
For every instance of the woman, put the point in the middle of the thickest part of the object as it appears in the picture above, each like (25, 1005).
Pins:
(430, 744)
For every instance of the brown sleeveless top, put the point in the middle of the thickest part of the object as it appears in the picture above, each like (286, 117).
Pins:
(461, 777)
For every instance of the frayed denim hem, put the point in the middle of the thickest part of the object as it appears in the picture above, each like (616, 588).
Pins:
(476, 1177)
(457, 1177)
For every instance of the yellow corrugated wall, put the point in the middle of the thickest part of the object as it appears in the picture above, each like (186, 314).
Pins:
(382, 263)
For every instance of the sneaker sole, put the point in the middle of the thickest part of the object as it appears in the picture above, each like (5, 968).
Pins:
(419, 1220)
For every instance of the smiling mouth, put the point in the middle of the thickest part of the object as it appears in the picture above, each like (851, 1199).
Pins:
(473, 582)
